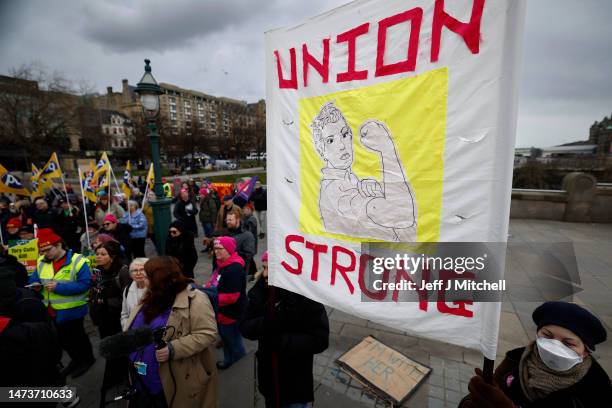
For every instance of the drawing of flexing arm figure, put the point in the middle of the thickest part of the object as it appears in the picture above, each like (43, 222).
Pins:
(362, 208)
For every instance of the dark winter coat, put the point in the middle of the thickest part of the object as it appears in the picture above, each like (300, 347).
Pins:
(183, 249)
(208, 209)
(21, 274)
(232, 292)
(121, 233)
(106, 296)
(290, 329)
(185, 211)
(245, 244)
(29, 347)
(593, 390)
(250, 224)
(260, 199)
(69, 227)
(45, 219)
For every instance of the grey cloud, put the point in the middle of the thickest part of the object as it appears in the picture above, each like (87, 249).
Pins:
(162, 25)
(566, 53)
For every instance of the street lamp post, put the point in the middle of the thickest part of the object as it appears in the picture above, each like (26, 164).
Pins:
(149, 92)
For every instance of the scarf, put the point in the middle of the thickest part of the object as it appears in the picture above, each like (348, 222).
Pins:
(538, 381)
(233, 258)
(214, 278)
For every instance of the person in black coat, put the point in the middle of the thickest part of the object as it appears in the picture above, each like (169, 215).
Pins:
(105, 307)
(557, 370)
(290, 329)
(43, 216)
(185, 210)
(179, 244)
(260, 200)
(70, 223)
(120, 233)
(30, 352)
(8, 261)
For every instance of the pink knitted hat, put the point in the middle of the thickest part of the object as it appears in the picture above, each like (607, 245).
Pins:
(228, 243)
(111, 218)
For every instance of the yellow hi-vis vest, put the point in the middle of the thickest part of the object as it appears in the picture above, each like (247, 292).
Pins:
(168, 190)
(67, 273)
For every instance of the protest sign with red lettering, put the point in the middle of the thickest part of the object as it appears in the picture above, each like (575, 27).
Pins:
(391, 121)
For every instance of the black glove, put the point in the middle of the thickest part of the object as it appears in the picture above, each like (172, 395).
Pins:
(485, 395)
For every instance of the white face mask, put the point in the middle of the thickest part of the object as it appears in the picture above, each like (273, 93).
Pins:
(556, 355)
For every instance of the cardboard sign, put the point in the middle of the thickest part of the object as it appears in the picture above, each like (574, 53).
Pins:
(26, 254)
(389, 373)
(391, 121)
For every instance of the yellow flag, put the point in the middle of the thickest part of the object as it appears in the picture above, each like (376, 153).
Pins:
(37, 189)
(11, 184)
(126, 185)
(88, 190)
(52, 168)
(151, 178)
(101, 175)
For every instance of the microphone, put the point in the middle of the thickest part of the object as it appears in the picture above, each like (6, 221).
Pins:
(123, 344)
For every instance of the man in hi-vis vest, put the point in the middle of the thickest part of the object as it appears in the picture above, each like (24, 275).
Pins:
(63, 279)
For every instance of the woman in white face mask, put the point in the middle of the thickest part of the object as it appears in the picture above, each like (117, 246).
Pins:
(556, 370)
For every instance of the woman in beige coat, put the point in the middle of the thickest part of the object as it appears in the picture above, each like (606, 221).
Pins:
(183, 373)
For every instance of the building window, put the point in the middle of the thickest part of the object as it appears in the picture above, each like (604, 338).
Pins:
(114, 131)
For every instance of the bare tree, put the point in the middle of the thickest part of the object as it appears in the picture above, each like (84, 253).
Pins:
(36, 110)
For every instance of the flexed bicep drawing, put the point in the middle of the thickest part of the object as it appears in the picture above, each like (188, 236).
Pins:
(362, 207)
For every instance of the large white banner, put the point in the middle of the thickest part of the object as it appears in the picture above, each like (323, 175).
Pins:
(391, 121)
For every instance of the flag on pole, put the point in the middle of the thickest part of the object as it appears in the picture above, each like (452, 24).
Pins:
(37, 188)
(151, 178)
(11, 184)
(101, 174)
(52, 168)
(244, 192)
(39, 182)
(88, 190)
(126, 185)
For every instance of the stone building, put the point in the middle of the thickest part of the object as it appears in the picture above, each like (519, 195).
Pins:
(118, 129)
(212, 124)
(600, 134)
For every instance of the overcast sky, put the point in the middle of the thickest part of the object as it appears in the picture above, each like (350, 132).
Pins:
(217, 47)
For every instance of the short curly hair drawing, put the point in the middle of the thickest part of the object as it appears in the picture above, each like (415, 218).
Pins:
(329, 113)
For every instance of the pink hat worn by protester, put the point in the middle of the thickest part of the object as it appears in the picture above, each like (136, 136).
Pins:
(264, 257)
(111, 218)
(228, 243)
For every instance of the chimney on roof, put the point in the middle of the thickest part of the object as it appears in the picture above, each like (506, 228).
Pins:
(125, 92)
(109, 90)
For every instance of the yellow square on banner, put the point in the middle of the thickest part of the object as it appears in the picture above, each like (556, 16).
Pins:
(372, 161)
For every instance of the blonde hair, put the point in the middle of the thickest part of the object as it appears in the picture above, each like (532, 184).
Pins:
(138, 261)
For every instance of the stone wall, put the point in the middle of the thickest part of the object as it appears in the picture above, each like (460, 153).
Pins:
(581, 200)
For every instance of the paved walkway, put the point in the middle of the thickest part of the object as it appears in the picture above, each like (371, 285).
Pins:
(452, 366)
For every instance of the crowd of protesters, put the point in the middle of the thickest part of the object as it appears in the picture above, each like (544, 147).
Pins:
(99, 269)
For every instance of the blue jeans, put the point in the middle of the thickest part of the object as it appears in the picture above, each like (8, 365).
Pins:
(233, 346)
(208, 229)
(298, 405)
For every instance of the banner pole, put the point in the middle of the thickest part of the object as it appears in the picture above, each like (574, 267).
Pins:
(487, 370)
(110, 197)
(66, 192)
(144, 198)
(114, 178)
(64, 184)
(84, 209)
